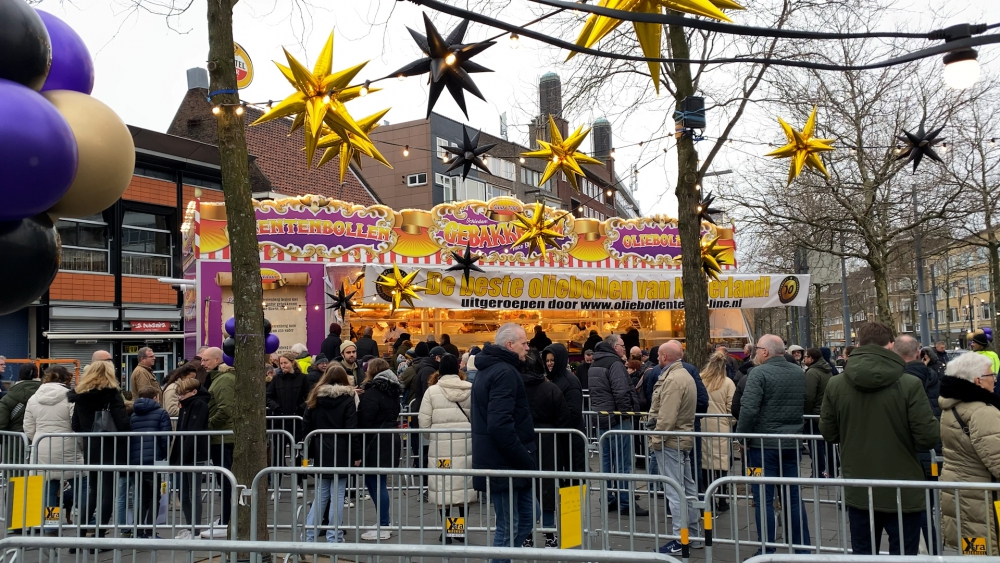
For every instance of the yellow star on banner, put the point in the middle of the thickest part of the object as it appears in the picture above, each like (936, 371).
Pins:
(711, 256)
(319, 98)
(354, 147)
(402, 287)
(802, 148)
(649, 34)
(562, 154)
(537, 231)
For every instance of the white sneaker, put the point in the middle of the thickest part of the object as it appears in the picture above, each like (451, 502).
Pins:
(275, 495)
(348, 503)
(184, 535)
(216, 531)
(365, 497)
(299, 494)
(373, 535)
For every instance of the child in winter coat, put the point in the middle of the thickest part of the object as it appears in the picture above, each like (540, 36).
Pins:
(148, 416)
(191, 450)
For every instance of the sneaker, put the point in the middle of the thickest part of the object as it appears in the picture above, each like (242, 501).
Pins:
(697, 544)
(528, 542)
(299, 494)
(365, 497)
(348, 503)
(672, 547)
(216, 531)
(612, 505)
(721, 505)
(374, 535)
(551, 541)
(183, 535)
(637, 510)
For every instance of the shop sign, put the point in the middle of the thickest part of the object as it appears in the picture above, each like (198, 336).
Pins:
(597, 291)
(302, 230)
(150, 326)
(244, 67)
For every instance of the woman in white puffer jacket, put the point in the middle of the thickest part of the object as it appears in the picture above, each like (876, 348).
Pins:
(48, 412)
(447, 404)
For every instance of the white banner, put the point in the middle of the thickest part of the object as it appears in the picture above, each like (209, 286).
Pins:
(574, 290)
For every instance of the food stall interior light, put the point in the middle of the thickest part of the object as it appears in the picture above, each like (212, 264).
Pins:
(961, 69)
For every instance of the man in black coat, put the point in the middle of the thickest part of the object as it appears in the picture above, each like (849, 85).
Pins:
(331, 344)
(503, 435)
(592, 341)
(540, 341)
(367, 345)
(584, 367)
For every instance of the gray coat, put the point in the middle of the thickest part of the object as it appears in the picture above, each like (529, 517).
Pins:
(773, 402)
(610, 387)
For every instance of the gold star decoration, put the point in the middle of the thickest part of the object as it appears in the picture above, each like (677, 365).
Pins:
(649, 34)
(711, 256)
(319, 99)
(537, 230)
(802, 148)
(401, 287)
(562, 154)
(354, 147)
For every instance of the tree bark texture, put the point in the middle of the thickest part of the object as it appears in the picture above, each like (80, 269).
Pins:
(249, 424)
(695, 287)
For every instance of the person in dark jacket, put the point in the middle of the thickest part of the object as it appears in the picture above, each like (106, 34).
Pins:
(148, 416)
(582, 370)
(592, 341)
(404, 337)
(930, 358)
(548, 410)
(367, 345)
(12, 404)
(98, 391)
(331, 344)
(330, 406)
(772, 404)
(573, 452)
(379, 408)
(425, 368)
(539, 341)
(286, 396)
(747, 364)
(941, 349)
(316, 370)
(828, 358)
(818, 374)
(191, 450)
(631, 338)
(611, 393)
(503, 435)
(448, 346)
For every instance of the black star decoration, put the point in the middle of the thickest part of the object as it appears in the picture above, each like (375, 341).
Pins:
(705, 209)
(916, 146)
(447, 61)
(465, 263)
(342, 302)
(469, 153)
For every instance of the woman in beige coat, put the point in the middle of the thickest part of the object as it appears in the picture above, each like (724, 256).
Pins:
(970, 434)
(447, 403)
(715, 457)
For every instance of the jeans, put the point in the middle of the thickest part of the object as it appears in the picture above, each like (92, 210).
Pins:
(379, 491)
(861, 531)
(676, 465)
(820, 450)
(147, 499)
(102, 484)
(653, 468)
(336, 513)
(521, 518)
(54, 495)
(223, 457)
(191, 498)
(616, 457)
(126, 481)
(778, 463)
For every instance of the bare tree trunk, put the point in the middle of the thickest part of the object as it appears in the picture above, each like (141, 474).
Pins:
(696, 326)
(994, 254)
(881, 279)
(249, 453)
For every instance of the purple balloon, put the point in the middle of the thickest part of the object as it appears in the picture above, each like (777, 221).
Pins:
(231, 326)
(989, 333)
(72, 68)
(271, 343)
(228, 360)
(39, 154)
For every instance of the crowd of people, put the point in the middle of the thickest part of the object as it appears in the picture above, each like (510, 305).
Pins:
(891, 408)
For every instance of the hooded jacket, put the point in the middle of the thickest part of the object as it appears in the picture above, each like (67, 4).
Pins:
(540, 341)
(222, 404)
(304, 360)
(12, 404)
(312, 378)
(548, 410)
(148, 416)
(818, 376)
(592, 341)
(379, 408)
(190, 450)
(931, 382)
(101, 450)
(969, 458)
(675, 399)
(610, 387)
(503, 435)
(881, 418)
(567, 383)
(448, 404)
(772, 403)
(49, 412)
(334, 409)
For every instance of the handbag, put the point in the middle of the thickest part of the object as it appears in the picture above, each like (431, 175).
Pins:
(103, 421)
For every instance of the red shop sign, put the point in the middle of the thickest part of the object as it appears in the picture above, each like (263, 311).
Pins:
(150, 326)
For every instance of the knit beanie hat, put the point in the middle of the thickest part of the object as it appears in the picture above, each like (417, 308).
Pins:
(347, 344)
(421, 349)
(448, 365)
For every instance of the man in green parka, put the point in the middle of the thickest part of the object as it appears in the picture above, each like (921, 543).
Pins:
(881, 418)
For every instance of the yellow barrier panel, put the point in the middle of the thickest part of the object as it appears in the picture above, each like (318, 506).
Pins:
(571, 516)
(26, 509)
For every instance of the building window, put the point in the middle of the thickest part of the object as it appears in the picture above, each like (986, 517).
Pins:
(416, 180)
(449, 186)
(530, 177)
(202, 182)
(984, 283)
(147, 248)
(150, 172)
(471, 189)
(440, 144)
(985, 310)
(503, 168)
(953, 316)
(496, 191)
(84, 244)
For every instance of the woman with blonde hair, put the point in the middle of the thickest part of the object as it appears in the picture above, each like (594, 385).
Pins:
(97, 392)
(715, 451)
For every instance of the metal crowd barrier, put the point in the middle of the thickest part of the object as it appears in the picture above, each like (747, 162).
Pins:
(785, 558)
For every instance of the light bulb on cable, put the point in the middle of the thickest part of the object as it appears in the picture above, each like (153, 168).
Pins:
(364, 89)
(326, 99)
(239, 110)
(450, 59)
(961, 69)
(406, 150)
(515, 41)
(522, 160)
(216, 110)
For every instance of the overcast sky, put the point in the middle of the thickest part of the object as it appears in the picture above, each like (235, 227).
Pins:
(141, 59)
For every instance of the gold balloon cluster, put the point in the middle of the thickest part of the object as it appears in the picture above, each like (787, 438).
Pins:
(562, 154)
(318, 107)
(537, 230)
(802, 148)
(401, 288)
(649, 34)
(712, 256)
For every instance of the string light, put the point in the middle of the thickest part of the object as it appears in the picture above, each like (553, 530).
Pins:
(450, 59)
(401, 77)
(300, 308)
(263, 303)
(216, 110)
(326, 99)
(612, 153)
(239, 110)
(316, 308)
(515, 41)
(993, 142)
(522, 160)
(944, 147)
(697, 187)
(364, 89)
(555, 158)
(406, 150)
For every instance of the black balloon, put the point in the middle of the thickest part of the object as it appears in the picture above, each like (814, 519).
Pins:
(25, 50)
(32, 247)
(229, 346)
(469, 153)
(267, 327)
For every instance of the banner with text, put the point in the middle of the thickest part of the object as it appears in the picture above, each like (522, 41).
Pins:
(617, 291)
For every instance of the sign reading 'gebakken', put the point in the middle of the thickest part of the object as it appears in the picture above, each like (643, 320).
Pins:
(642, 291)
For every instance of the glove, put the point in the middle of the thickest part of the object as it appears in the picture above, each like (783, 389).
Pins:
(650, 423)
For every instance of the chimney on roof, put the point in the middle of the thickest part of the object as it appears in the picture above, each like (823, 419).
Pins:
(197, 78)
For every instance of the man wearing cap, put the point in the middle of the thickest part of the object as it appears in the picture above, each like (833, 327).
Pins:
(797, 352)
(349, 359)
(981, 345)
